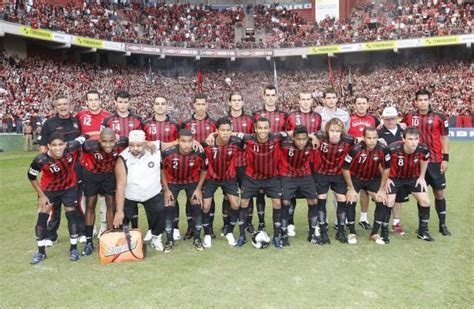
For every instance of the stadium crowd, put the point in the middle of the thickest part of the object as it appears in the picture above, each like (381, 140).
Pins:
(29, 86)
(186, 25)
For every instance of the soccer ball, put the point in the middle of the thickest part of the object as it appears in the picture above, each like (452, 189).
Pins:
(260, 240)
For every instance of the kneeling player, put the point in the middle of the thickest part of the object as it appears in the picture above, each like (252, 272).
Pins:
(221, 152)
(408, 169)
(361, 171)
(334, 144)
(99, 158)
(57, 186)
(184, 169)
(295, 176)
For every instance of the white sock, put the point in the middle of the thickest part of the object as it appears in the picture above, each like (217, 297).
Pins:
(41, 243)
(396, 221)
(73, 241)
(363, 217)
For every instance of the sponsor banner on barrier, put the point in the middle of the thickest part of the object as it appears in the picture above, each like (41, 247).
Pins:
(328, 49)
(444, 40)
(379, 45)
(467, 38)
(114, 46)
(63, 38)
(36, 33)
(88, 42)
(461, 134)
(409, 43)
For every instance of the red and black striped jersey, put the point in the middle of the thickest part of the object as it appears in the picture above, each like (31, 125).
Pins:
(183, 169)
(312, 121)
(123, 125)
(432, 127)
(328, 158)
(406, 165)
(277, 119)
(164, 131)
(200, 128)
(57, 174)
(222, 159)
(262, 158)
(359, 123)
(242, 124)
(364, 163)
(293, 161)
(89, 122)
(96, 160)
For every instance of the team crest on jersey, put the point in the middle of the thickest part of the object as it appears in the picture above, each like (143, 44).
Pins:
(208, 128)
(313, 120)
(306, 152)
(430, 121)
(75, 126)
(167, 129)
(130, 125)
(69, 159)
(191, 162)
(376, 158)
(244, 124)
(340, 149)
(230, 152)
(277, 118)
(151, 164)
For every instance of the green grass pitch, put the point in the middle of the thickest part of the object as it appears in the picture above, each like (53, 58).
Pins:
(406, 273)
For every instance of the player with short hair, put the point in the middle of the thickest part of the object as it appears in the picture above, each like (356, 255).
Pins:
(434, 131)
(305, 116)
(183, 168)
(277, 120)
(391, 132)
(200, 125)
(295, 175)
(222, 151)
(333, 146)
(360, 120)
(91, 119)
(122, 122)
(241, 123)
(63, 123)
(98, 159)
(362, 171)
(409, 163)
(162, 128)
(263, 154)
(57, 187)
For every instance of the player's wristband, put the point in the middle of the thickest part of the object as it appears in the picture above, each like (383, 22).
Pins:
(446, 157)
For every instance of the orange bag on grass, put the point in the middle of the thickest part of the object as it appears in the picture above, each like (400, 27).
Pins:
(121, 246)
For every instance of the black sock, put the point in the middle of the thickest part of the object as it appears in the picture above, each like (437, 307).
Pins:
(341, 216)
(89, 233)
(206, 223)
(424, 216)
(225, 211)
(196, 220)
(243, 212)
(212, 212)
(387, 213)
(233, 216)
(189, 215)
(135, 218)
(351, 213)
(285, 209)
(73, 229)
(261, 207)
(277, 222)
(312, 218)
(176, 217)
(322, 211)
(170, 213)
(441, 210)
(41, 229)
(378, 217)
(291, 212)
(419, 213)
(250, 211)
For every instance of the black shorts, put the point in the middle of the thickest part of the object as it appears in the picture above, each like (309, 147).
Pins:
(103, 184)
(251, 186)
(67, 197)
(240, 174)
(291, 186)
(335, 182)
(434, 178)
(189, 188)
(407, 185)
(367, 185)
(228, 186)
(402, 196)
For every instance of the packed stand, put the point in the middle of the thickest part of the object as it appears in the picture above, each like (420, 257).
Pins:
(28, 87)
